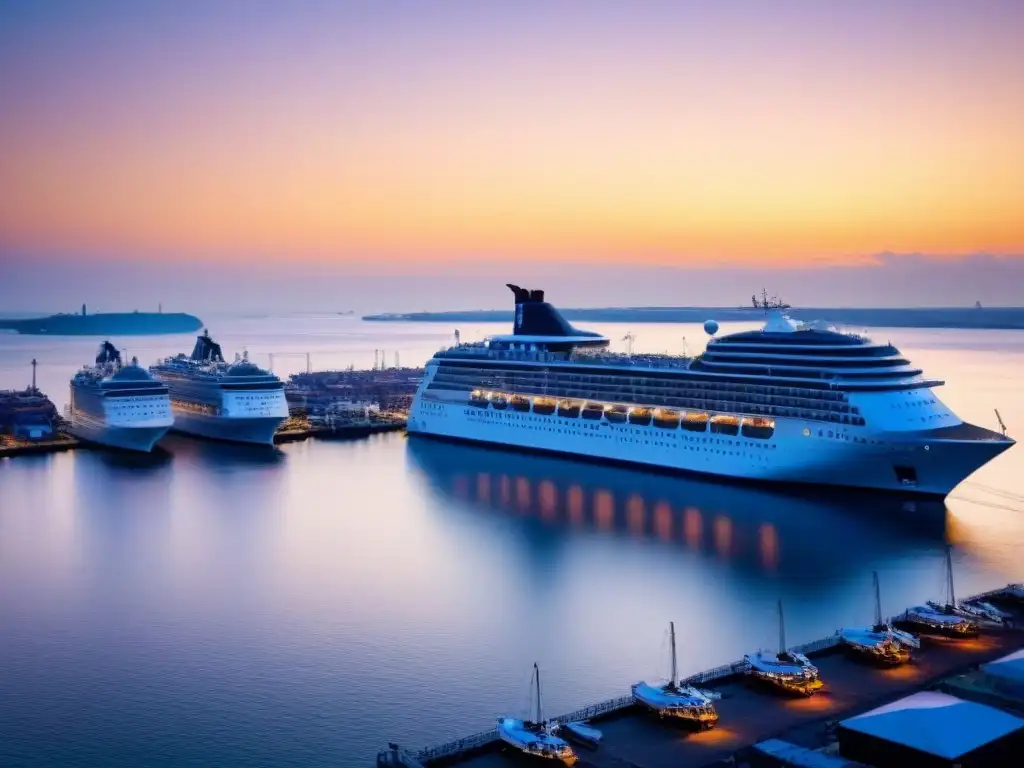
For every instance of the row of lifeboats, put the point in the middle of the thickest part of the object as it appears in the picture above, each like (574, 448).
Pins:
(614, 413)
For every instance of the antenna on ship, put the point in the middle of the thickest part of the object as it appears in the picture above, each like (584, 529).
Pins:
(271, 368)
(309, 363)
(997, 418)
(782, 631)
(629, 338)
(456, 337)
(34, 364)
(672, 640)
(878, 600)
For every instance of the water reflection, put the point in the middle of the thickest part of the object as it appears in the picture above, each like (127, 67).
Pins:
(219, 455)
(768, 530)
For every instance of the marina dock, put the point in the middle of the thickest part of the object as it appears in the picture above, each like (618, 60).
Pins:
(748, 714)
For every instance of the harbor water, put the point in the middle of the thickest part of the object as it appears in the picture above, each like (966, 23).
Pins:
(226, 605)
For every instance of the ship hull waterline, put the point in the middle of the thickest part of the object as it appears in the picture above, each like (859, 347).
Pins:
(139, 439)
(838, 464)
(258, 430)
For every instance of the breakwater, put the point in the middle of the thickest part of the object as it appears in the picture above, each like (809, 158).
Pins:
(1007, 318)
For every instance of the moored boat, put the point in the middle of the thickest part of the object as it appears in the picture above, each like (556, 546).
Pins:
(582, 733)
(786, 670)
(948, 619)
(676, 701)
(535, 738)
(881, 642)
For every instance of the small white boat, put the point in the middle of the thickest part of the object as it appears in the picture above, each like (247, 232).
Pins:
(949, 619)
(786, 670)
(926, 620)
(535, 738)
(881, 642)
(581, 732)
(977, 610)
(683, 703)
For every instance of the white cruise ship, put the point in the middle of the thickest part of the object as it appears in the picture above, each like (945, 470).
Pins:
(118, 406)
(789, 403)
(238, 402)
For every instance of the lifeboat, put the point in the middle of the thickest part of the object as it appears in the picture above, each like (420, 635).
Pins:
(499, 401)
(478, 398)
(593, 411)
(569, 409)
(616, 414)
(666, 418)
(545, 406)
(519, 403)
(695, 422)
(640, 416)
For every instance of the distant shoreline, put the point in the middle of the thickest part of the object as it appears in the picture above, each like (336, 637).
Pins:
(994, 318)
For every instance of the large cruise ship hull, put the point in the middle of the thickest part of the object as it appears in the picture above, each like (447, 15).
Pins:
(141, 437)
(254, 430)
(790, 456)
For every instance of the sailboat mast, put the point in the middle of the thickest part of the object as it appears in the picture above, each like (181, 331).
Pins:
(949, 574)
(536, 672)
(878, 599)
(782, 630)
(672, 637)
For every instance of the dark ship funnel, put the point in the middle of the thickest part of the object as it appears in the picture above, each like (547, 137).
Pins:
(535, 317)
(206, 349)
(108, 354)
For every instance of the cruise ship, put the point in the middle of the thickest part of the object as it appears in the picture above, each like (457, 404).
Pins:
(238, 402)
(787, 404)
(119, 406)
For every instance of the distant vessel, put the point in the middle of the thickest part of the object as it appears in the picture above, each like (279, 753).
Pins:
(765, 303)
(118, 406)
(535, 738)
(673, 700)
(27, 414)
(106, 324)
(787, 403)
(238, 402)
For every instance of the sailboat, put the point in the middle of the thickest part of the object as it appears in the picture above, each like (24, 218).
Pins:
(535, 738)
(789, 671)
(673, 700)
(881, 642)
(949, 619)
(975, 609)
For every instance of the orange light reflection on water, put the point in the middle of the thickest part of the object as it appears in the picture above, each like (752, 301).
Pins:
(723, 535)
(547, 495)
(574, 502)
(636, 515)
(604, 510)
(663, 521)
(692, 527)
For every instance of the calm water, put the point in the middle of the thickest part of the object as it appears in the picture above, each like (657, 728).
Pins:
(216, 605)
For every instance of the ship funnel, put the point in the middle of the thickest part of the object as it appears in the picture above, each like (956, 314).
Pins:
(535, 317)
(207, 350)
(108, 354)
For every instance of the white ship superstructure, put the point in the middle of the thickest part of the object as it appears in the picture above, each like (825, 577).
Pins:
(118, 406)
(238, 401)
(788, 403)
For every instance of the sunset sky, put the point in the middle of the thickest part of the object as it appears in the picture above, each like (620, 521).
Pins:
(399, 137)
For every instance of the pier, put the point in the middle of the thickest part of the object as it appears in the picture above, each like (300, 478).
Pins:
(749, 714)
